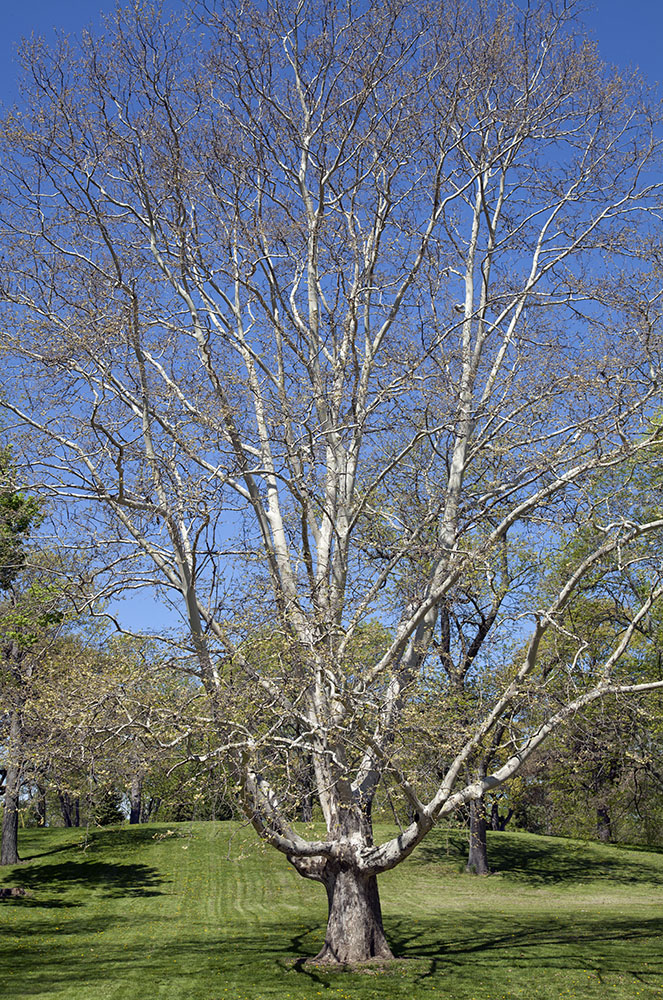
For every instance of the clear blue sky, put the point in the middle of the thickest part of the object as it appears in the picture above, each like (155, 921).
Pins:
(629, 32)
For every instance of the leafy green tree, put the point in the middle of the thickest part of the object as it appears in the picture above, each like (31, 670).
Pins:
(600, 764)
(107, 718)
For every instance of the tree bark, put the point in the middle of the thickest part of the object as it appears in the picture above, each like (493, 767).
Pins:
(477, 860)
(150, 808)
(307, 793)
(9, 852)
(603, 825)
(498, 822)
(354, 928)
(135, 798)
(306, 807)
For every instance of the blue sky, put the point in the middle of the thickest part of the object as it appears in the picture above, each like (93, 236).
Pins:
(629, 32)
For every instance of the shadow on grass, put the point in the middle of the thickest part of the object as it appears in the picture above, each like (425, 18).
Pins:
(111, 879)
(103, 839)
(122, 837)
(45, 854)
(133, 951)
(494, 948)
(455, 949)
(543, 861)
(588, 938)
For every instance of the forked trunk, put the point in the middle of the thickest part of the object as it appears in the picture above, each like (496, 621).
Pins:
(354, 929)
(497, 821)
(149, 809)
(70, 808)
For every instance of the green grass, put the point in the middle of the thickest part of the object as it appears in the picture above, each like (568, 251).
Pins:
(210, 914)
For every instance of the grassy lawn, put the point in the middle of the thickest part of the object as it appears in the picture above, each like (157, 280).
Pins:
(206, 913)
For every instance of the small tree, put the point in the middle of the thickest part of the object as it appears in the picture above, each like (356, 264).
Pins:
(264, 277)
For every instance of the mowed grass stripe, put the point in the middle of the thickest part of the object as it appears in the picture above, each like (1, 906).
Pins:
(204, 912)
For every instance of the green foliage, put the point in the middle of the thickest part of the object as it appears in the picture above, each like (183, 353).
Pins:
(190, 792)
(18, 515)
(107, 806)
(33, 612)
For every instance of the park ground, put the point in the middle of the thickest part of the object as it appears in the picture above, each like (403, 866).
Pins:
(202, 911)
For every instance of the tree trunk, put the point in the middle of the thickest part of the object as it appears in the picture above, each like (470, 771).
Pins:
(354, 928)
(150, 809)
(40, 805)
(477, 860)
(603, 825)
(9, 852)
(135, 798)
(306, 796)
(70, 809)
(498, 822)
(306, 808)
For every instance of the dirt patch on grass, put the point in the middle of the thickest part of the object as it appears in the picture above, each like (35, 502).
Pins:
(13, 892)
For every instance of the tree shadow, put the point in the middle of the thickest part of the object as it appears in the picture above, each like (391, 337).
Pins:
(104, 838)
(131, 836)
(640, 848)
(550, 941)
(458, 944)
(45, 854)
(547, 860)
(441, 946)
(111, 879)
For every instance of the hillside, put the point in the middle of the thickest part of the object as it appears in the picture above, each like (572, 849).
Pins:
(203, 912)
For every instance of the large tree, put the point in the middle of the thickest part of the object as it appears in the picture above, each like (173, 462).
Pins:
(269, 271)
(19, 514)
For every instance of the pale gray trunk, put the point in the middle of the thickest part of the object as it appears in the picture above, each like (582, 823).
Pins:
(354, 927)
(355, 933)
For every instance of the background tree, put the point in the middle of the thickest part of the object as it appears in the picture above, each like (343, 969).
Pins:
(18, 515)
(601, 759)
(108, 721)
(254, 272)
